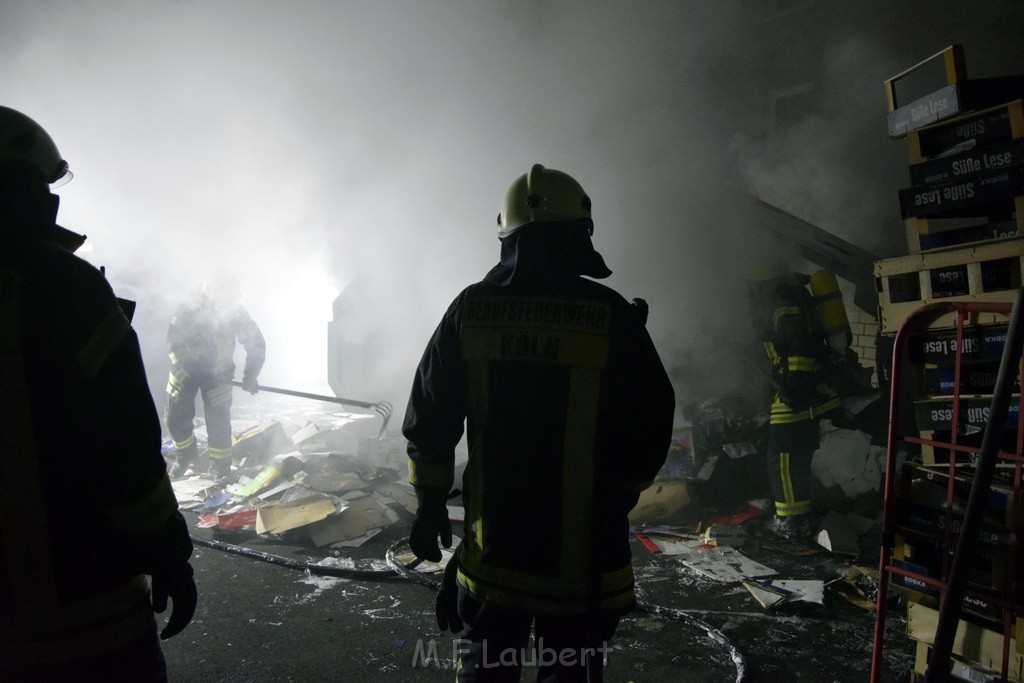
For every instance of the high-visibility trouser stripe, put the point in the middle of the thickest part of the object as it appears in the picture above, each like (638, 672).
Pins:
(783, 414)
(176, 382)
(187, 443)
(219, 395)
(69, 631)
(220, 453)
(178, 358)
(783, 509)
(104, 339)
(528, 592)
(148, 513)
(789, 505)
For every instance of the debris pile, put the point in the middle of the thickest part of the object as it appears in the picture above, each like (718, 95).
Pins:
(309, 484)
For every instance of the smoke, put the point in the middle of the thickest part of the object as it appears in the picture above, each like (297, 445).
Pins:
(302, 145)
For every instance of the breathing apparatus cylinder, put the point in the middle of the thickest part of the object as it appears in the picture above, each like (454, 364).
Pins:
(829, 302)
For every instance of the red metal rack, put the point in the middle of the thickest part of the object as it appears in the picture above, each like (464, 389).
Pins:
(959, 454)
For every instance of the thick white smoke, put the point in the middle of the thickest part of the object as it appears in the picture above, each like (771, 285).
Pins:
(302, 144)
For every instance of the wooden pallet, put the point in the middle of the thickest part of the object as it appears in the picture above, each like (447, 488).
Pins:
(997, 124)
(974, 645)
(988, 272)
(928, 234)
(937, 89)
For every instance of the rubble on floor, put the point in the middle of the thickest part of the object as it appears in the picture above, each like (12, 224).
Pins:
(313, 484)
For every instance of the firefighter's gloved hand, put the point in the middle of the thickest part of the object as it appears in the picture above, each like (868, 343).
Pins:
(446, 605)
(431, 523)
(178, 585)
(250, 384)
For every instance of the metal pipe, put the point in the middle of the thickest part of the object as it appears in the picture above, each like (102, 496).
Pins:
(382, 408)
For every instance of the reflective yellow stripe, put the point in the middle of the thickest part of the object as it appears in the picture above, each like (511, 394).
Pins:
(784, 477)
(220, 453)
(800, 507)
(784, 311)
(182, 445)
(219, 395)
(783, 414)
(105, 338)
(543, 595)
(431, 475)
(148, 513)
(801, 364)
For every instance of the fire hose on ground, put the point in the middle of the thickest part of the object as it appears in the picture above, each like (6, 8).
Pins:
(405, 572)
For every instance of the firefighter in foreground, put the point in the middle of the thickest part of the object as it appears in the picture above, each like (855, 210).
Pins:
(202, 338)
(801, 356)
(569, 416)
(86, 508)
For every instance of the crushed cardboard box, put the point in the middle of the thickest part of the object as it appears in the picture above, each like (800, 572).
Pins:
(361, 513)
(660, 502)
(276, 517)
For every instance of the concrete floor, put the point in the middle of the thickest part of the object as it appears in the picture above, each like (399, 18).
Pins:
(258, 621)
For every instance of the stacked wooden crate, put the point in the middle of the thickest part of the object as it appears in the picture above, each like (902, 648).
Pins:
(964, 218)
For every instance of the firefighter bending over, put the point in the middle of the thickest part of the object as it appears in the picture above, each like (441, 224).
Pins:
(86, 508)
(794, 339)
(202, 338)
(569, 413)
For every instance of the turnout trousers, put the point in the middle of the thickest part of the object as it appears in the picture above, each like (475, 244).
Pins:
(494, 644)
(790, 450)
(182, 388)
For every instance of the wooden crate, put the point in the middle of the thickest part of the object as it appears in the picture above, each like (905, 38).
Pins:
(938, 89)
(974, 644)
(998, 124)
(994, 192)
(927, 234)
(988, 272)
(994, 141)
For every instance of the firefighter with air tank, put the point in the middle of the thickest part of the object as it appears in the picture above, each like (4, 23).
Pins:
(802, 324)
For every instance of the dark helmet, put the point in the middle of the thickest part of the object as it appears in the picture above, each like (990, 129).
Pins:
(25, 145)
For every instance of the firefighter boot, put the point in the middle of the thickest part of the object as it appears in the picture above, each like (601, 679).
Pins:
(221, 468)
(184, 458)
(792, 527)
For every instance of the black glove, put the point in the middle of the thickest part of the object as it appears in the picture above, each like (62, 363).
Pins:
(179, 586)
(446, 605)
(431, 522)
(250, 384)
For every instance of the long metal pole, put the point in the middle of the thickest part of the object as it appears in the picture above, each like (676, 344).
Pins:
(382, 408)
(318, 397)
(956, 585)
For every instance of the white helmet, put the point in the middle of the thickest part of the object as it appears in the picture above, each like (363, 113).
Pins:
(543, 195)
(23, 141)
